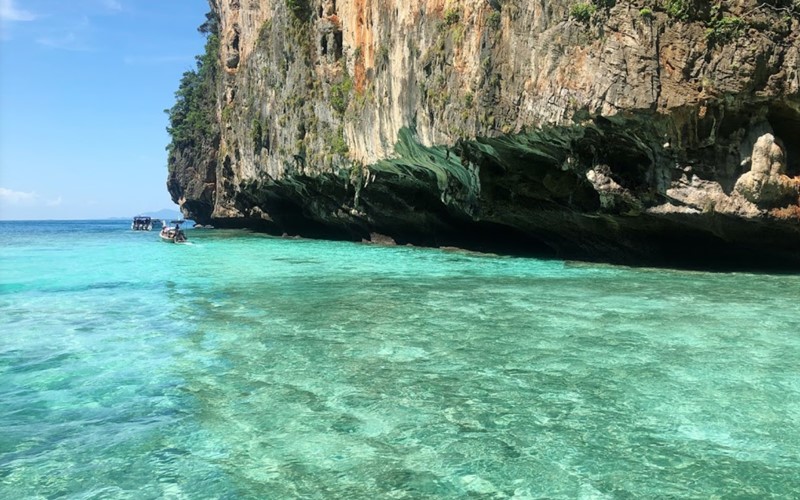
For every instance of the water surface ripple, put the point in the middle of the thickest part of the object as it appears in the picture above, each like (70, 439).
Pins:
(244, 366)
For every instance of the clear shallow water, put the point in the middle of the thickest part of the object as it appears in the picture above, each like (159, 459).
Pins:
(244, 366)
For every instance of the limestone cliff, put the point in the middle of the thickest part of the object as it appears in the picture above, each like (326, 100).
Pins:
(641, 131)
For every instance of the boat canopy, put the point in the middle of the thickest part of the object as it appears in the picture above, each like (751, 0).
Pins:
(142, 223)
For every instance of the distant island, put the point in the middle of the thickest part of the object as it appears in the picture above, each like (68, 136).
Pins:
(164, 213)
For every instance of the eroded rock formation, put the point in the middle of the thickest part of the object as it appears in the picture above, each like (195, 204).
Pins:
(650, 131)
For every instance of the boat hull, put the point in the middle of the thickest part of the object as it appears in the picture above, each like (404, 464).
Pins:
(170, 237)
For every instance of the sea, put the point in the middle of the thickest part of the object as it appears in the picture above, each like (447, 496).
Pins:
(242, 365)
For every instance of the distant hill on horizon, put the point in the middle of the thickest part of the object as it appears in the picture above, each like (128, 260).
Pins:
(164, 213)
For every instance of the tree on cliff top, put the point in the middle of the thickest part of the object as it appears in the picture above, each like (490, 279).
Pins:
(192, 118)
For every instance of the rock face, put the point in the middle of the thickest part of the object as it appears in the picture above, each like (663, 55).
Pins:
(766, 183)
(652, 131)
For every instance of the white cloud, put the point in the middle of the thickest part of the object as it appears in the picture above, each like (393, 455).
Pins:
(17, 197)
(54, 202)
(9, 12)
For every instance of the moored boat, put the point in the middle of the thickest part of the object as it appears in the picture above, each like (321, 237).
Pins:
(171, 234)
(141, 223)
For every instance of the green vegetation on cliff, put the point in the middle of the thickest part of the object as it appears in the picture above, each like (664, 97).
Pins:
(192, 119)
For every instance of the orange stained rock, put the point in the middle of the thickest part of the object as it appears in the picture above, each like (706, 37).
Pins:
(364, 41)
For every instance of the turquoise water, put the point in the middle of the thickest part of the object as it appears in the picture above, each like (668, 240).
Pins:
(245, 366)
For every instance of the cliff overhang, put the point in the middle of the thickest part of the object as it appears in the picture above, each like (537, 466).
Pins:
(630, 136)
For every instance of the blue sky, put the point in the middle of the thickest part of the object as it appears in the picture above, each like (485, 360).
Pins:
(83, 86)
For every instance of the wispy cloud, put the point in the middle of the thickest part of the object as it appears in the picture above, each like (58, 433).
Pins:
(72, 37)
(69, 41)
(27, 198)
(9, 12)
(114, 5)
(17, 197)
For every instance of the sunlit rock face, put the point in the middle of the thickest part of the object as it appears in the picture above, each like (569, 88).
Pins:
(766, 183)
(626, 132)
